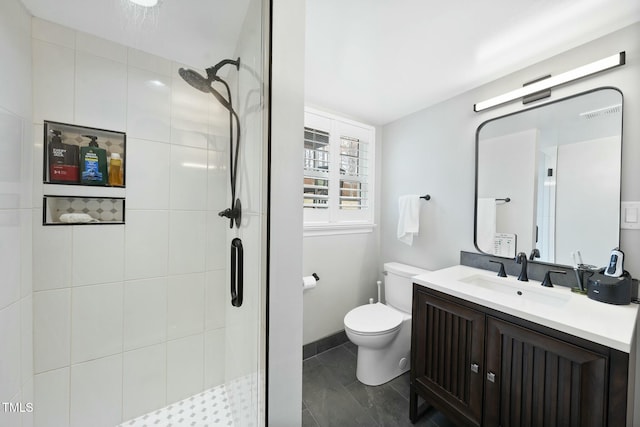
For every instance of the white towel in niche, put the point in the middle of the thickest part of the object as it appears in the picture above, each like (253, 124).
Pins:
(409, 218)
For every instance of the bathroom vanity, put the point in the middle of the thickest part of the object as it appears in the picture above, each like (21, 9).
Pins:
(492, 351)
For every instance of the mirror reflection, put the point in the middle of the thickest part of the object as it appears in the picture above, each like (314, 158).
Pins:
(548, 180)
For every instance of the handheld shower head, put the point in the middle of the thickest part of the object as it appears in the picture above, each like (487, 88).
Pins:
(195, 79)
(203, 84)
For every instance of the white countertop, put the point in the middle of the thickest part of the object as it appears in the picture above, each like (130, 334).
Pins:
(557, 307)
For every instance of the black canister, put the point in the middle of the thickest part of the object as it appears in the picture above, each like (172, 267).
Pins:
(612, 290)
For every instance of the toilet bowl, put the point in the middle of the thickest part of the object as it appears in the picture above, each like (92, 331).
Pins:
(382, 332)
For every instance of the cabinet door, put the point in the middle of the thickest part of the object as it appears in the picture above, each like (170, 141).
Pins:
(536, 380)
(448, 351)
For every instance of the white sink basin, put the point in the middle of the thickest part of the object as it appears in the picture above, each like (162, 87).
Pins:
(557, 308)
(528, 291)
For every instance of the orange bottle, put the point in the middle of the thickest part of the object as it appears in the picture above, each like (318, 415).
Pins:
(115, 170)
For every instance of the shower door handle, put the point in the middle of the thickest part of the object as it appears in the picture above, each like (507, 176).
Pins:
(237, 279)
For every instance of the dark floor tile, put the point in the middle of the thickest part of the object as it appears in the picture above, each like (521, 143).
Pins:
(329, 402)
(351, 347)
(309, 363)
(385, 405)
(332, 396)
(341, 363)
(438, 419)
(308, 420)
(401, 384)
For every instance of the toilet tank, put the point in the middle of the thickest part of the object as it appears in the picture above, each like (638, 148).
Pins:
(398, 284)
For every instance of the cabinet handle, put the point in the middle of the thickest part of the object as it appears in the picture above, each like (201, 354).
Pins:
(491, 376)
(475, 368)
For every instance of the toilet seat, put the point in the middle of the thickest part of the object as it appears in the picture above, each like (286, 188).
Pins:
(373, 319)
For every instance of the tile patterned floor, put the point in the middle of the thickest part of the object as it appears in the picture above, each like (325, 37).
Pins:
(207, 409)
(225, 405)
(332, 396)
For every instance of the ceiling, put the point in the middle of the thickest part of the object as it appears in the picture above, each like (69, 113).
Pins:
(198, 33)
(374, 60)
(379, 60)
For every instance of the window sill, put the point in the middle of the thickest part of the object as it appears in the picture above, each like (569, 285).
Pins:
(324, 229)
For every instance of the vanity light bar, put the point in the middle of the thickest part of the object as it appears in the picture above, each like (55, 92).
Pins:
(577, 73)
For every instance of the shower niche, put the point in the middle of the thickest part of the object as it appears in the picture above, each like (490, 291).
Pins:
(83, 175)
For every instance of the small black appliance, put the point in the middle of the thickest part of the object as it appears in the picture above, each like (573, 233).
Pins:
(612, 290)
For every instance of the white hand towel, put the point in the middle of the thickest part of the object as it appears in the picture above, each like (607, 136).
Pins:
(72, 218)
(486, 224)
(409, 218)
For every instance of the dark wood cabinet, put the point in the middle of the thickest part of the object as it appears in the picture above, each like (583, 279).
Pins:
(447, 355)
(541, 381)
(481, 367)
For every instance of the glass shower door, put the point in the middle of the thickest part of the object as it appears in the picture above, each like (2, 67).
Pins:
(246, 325)
(137, 326)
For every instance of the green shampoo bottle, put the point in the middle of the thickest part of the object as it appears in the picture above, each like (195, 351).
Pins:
(93, 163)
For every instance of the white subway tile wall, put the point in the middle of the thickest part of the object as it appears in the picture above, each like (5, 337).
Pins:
(149, 105)
(145, 312)
(52, 397)
(126, 318)
(145, 380)
(152, 162)
(96, 392)
(96, 321)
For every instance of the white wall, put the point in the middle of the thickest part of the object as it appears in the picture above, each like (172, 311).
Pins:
(16, 302)
(433, 150)
(348, 268)
(129, 318)
(285, 245)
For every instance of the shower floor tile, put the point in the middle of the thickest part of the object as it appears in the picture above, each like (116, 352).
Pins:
(207, 409)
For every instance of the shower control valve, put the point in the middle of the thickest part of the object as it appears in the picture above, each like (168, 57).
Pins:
(234, 213)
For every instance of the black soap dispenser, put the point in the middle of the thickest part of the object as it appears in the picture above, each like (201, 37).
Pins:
(93, 163)
(62, 160)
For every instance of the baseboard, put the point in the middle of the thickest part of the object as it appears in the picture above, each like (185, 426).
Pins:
(324, 344)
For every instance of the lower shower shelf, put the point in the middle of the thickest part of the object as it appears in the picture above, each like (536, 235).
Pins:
(77, 210)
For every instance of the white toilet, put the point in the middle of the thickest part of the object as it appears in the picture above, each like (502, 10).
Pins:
(382, 332)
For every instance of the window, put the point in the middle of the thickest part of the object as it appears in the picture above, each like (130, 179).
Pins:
(338, 173)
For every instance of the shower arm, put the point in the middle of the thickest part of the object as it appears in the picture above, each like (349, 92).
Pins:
(213, 71)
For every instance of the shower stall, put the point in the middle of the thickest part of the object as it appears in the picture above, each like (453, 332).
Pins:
(161, 319)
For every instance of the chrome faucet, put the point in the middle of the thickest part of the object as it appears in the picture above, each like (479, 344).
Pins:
(521, 258)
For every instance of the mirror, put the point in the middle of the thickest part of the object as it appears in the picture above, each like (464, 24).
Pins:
(548, 178)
